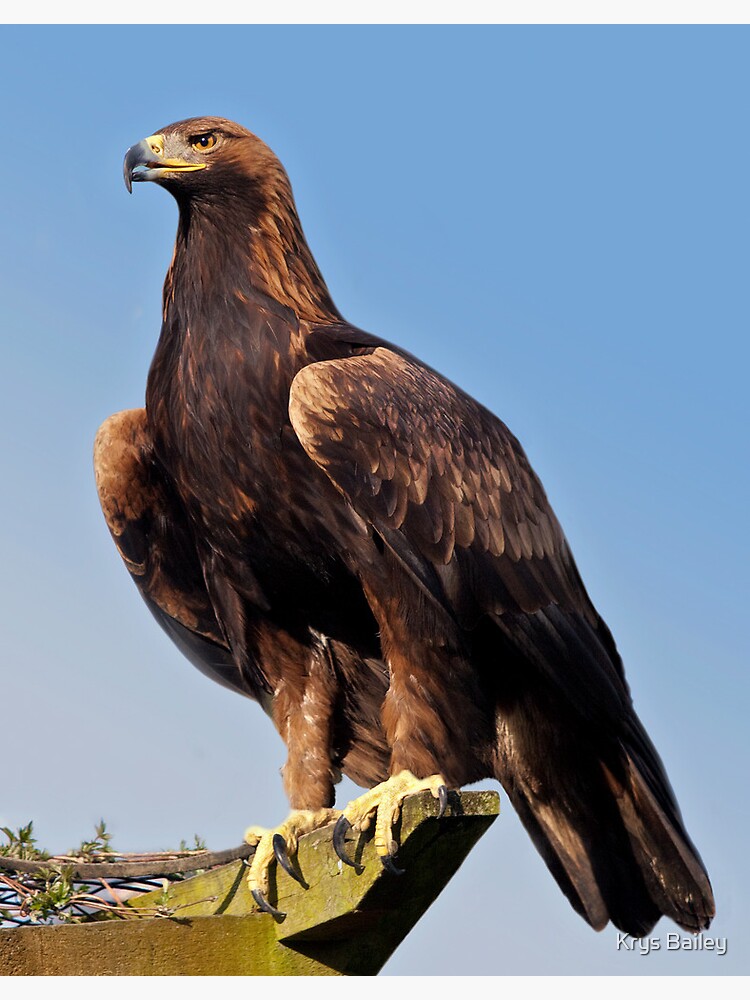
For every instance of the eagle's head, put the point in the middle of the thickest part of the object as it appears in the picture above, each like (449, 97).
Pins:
(195, 157)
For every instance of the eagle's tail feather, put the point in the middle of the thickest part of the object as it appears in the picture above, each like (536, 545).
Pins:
(669, 863)
(611, 834)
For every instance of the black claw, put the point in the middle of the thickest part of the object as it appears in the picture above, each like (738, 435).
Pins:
(443, 800)
(343, 826)
(389, 865)
(263, 903)
(282, 856)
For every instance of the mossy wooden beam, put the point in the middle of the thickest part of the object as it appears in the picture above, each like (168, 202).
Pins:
(346, 922)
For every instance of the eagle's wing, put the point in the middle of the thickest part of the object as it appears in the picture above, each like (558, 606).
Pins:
(414, 454)
(151, 532)
(451, 493)
(448, 488)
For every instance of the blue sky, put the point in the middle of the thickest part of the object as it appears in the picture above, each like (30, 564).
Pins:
(557, 219)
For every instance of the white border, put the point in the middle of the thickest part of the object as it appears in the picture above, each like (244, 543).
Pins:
(389, 12)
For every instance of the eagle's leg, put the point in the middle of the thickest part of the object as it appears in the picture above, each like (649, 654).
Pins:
(433, 732)
(383, 803)
(303, 712)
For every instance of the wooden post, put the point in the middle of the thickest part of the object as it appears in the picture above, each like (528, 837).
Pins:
(346, 922)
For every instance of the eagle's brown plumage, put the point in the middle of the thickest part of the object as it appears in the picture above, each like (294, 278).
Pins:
(326, 525)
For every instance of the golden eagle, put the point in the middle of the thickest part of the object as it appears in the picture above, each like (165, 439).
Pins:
(326, 525)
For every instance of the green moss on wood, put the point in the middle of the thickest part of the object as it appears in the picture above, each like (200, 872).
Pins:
(347, 922)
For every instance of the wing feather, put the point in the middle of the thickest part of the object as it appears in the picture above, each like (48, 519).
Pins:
(414, 454)
(154, 539)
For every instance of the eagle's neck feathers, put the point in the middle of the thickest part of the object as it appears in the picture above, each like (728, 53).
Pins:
(249, 235)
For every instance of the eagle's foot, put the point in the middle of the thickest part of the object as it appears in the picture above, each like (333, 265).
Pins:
(280, 845)
(384, 803)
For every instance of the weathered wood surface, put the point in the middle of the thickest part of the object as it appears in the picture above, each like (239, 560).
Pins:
(347, 922)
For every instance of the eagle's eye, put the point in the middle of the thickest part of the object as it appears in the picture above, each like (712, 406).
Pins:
(200, 143)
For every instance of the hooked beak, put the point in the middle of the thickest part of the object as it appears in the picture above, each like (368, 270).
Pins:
(146, 162)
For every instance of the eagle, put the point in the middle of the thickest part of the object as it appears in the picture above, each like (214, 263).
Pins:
(324, 524)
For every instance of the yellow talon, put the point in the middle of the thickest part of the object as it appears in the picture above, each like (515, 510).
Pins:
(296, 825)
(383, 802)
